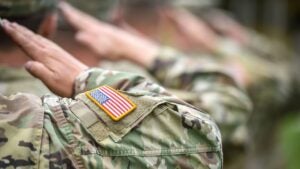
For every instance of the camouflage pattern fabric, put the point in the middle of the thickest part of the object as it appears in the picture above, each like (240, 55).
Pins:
(14, 80)
(13, 8)
(52, 132)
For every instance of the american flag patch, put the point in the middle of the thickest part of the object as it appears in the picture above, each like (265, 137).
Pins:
(113, 103)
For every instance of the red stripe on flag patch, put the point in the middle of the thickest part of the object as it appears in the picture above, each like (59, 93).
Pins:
(112, 102)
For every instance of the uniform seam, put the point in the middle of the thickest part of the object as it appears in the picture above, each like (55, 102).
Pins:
(158, 152)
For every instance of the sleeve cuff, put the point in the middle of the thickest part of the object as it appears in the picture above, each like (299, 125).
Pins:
(81, 81)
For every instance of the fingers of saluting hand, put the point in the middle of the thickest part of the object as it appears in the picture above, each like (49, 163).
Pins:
(27, 40)
(39, 70)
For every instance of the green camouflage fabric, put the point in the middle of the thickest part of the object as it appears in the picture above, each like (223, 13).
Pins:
(53, 132)
(15, 8)
(14, 80)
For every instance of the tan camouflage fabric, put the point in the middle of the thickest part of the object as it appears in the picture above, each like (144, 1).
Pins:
(53, 132)
(13, 8)
(14, 80)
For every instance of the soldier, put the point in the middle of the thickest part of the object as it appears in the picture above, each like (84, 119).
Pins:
(234, 106)
(219, 95)
(125, 122)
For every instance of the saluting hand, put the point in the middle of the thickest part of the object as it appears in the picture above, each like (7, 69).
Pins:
(51, 64)
(109, 41)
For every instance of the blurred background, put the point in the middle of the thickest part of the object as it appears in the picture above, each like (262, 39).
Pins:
(276, 18)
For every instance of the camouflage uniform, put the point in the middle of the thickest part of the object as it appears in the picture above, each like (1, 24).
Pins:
(13, 80)
(53, 132)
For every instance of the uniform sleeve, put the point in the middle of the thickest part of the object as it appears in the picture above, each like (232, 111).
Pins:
(215, 91)
(162, 132)
(96, 77)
